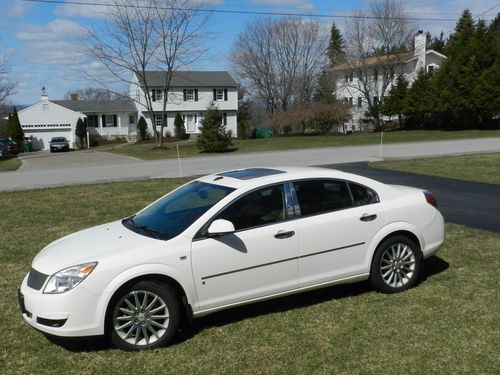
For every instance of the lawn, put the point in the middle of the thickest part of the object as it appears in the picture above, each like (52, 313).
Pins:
(448, 324)
(9, 163)
(480, 167)
(189, 149)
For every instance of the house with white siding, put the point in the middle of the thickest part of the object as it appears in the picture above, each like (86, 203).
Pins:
(191, 92)
(350, 89)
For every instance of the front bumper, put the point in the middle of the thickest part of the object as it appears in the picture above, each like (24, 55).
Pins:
(68, 314)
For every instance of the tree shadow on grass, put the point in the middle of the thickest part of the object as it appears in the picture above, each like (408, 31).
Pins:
(433, 266)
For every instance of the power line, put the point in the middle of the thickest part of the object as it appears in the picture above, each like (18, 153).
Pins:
(475, 18)
(248, 12)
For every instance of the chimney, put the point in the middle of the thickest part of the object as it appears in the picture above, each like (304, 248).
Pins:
(73, 96)
(44, 96)
(419, 52)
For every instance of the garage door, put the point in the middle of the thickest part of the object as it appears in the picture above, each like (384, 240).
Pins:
(40, 138)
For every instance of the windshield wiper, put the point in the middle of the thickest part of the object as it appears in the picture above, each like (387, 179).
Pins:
(145, 228)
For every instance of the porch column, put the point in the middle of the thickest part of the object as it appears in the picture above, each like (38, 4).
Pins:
(119, 124)
(99, 120)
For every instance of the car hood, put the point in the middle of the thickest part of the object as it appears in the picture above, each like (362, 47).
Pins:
(90, 245)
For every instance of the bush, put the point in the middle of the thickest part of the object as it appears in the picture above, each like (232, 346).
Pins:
(81, 133)
(94, 140)
(142, 127)
(180, 130)
(213, 136)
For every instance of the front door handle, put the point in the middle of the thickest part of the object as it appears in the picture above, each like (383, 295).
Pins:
(284, 234)
(367, 217)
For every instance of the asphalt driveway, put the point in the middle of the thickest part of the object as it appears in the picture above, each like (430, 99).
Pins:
(473, 204)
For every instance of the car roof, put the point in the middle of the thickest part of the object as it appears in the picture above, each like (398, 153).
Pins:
(251, 177)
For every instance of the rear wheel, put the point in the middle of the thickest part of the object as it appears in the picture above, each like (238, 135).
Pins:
(144, 316)
(396, 265)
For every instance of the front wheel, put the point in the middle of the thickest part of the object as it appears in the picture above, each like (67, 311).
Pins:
(396, 265)
(144, 316)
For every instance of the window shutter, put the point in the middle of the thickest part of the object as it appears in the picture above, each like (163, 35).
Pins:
(225, 95)
(103, 117)
(195, 119)
(184, 93)
(195, 95)
(215, 95)
(225, 118)
(114, 120)
(153, 95)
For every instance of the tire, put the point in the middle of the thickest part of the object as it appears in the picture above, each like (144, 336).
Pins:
(396, 265)
(144, 316)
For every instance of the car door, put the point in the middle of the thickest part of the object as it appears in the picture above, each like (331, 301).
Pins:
(260, 258)
(337, 221)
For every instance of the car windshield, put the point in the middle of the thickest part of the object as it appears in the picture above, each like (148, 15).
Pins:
(175, 212)
(59, 139)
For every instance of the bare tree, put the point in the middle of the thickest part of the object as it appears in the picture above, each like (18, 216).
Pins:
(376, 47)
(7, 85)
(95, 93)
(281, 60)
(138, 37)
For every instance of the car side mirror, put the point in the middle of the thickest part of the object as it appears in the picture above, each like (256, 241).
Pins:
(220, 227)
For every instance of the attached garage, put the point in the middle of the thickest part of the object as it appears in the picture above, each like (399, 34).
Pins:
(45, 120)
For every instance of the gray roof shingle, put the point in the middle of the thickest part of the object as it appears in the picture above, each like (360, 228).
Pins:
(192, 79)
(120, 105)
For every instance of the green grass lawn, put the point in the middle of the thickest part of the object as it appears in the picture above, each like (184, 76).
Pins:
(188, 148)
(480, 167)
(9, 163)
(448, 324)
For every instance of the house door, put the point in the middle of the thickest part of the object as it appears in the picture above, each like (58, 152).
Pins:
(190, 124)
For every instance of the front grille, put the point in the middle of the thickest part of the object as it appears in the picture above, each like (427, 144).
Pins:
(36, 279)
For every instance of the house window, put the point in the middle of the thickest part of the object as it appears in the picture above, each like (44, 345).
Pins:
(360, 101)
(430, 68)
(219, 94)
(375, 100)
(111, 120)
(346, 77)
(131, 119)
(159, 95)
(350, 100)
(92, 121)
(189, 95)
(351, 77)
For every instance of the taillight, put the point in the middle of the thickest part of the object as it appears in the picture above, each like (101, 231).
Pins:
(430, 198)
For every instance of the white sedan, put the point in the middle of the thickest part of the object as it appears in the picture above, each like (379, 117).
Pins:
(228, 239)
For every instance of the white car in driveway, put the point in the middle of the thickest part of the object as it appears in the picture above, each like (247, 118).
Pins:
(228, 239)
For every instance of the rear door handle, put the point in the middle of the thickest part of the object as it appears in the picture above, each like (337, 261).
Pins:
(284, 234)
(367, 217)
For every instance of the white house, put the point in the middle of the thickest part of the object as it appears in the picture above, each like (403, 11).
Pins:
(191, 92)
(347, 84)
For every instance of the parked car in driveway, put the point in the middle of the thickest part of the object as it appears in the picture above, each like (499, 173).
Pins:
(59, 144)
(8, 147)
(228, 239)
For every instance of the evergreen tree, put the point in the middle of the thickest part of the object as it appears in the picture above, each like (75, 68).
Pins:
(325, 89)
(437, 44)
(336, 46)
(243, 116)
(81, 132)
(14, 129)
(393, 104)
(418, 104)
(180, 130)
(142, 127)
(213, 136)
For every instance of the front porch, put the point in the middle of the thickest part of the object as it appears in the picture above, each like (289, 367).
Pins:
(111, 125)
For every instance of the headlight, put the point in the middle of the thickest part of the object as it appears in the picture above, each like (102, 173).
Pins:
(68, 278)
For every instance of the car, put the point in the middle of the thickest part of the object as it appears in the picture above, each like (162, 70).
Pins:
(228, 239)
(59, 144)
(8, 147)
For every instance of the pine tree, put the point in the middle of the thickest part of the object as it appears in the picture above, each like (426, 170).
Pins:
(81, 132)
(142, 127)
(213, 136)
(336, 46)
(14, 129)
(393, 104)
(419, 102)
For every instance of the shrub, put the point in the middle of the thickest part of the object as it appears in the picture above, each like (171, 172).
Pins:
(180, 130)
(213, 136)
(142, 127)
(94, 140)
(81, 133)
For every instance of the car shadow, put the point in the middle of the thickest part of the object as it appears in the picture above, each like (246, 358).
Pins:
(433, 266)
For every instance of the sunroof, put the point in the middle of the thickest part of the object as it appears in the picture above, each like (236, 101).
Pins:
(248, 174)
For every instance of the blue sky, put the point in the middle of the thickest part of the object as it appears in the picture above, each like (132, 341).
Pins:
(42, 38)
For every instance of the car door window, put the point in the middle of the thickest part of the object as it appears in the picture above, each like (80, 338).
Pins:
(260, 207)
(319, 196)
(362, 195)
